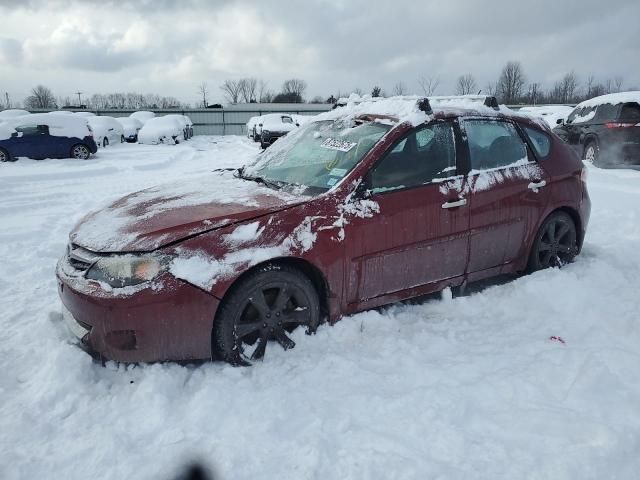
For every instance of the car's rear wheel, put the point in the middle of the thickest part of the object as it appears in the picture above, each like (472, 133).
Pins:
(591, 153)
(4, 156)
(555, 243)
(263, 308)
(79, 151)
(105, 142)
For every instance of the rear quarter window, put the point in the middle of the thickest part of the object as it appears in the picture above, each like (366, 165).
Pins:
(540, 141)
(630, 112)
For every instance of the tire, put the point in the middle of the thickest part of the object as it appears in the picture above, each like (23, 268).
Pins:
(265, 305)
(80, 151)
(5, 156)
(122, 139)
(591, 153)
(105, 142)
(555, 244)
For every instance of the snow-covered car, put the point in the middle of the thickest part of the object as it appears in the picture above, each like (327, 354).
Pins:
(131, 127)
(251, 128)
(168, 130)
(369, 204)
(85, 114)
(302, 119)
(12, 113)
(273, 126)
(106, 130)
(549, 113)
(44, 135)
(605, 131)
(187, 125)
(143, 116)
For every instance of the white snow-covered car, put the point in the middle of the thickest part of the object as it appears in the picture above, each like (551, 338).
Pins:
(251, 128)
(302, 119)
(85, 114)
(131, 127)
(12, 113)
(549, 113)
(187, 125)
(143, 116)
(273, 126)
(106, 130)
(168, 130)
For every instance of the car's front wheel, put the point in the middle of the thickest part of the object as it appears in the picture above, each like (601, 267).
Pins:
(5, 156)
(555, 243)
(262, 309)
(81, 152)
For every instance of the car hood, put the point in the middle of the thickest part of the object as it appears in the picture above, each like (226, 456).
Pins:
(158, 216)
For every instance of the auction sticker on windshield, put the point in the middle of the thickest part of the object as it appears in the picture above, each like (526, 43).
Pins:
(340, 145)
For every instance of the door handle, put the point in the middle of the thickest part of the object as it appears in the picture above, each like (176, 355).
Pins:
(455, 204)
(535, 186)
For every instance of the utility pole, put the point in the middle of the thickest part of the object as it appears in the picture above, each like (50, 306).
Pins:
(79, 101)
(6, 94)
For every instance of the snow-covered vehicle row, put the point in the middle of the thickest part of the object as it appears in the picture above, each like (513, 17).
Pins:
(366, 205)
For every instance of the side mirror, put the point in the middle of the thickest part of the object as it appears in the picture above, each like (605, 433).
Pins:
(560, 121)
(297, 124)
(14, 135)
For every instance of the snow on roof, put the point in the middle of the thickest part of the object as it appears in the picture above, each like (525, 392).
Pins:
(59, 124)
(12, 113)
(612, 98)
(406, 108)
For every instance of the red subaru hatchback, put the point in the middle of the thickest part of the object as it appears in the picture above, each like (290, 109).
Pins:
(371, 203)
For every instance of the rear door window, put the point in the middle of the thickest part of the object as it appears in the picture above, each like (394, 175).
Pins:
(494, 144)
(540, 141)
(29, 130)
(606, 113)
(630, 113)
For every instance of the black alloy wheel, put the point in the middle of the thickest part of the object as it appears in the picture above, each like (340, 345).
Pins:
(264, 307)
(555, 244)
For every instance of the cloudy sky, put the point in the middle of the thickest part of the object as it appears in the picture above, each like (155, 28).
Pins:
(169, 47)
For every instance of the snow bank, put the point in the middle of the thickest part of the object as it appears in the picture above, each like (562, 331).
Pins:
(462, 387)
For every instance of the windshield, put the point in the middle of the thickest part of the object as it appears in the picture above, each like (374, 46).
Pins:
(318, 155)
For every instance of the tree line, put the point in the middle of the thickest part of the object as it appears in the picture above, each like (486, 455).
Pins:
(512, 87)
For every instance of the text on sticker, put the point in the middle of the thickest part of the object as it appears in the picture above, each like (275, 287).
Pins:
(340, 145)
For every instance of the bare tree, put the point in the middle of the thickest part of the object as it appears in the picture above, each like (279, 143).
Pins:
(511, 81)
(294, 88)
(231, 90)
(491, 89)
(202, 90)
(358, 91)
(41, 97)
(429, 85)
(376, 91)
(399, 89)
(534, 93)
(262, 88)
(617, 82)
(466, 84)
(248, 87)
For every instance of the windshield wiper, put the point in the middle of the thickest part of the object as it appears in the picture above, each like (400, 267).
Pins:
(269, 183)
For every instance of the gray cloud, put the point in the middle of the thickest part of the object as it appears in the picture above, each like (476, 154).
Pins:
(334, 45)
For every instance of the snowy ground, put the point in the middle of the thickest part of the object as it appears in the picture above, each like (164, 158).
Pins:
(470, 387)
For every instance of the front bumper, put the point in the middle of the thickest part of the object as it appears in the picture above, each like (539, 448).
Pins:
(168, 319)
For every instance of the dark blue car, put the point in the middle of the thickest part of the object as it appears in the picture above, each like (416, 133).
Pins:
(46, 136)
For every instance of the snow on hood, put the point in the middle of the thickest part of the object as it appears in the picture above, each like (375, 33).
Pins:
(612, 98)
(5, 131)
(157, 216)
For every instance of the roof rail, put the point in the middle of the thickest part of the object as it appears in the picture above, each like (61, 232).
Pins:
(425, 106)
(487, 100)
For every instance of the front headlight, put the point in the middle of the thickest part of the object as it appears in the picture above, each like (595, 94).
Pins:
(126, 270)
